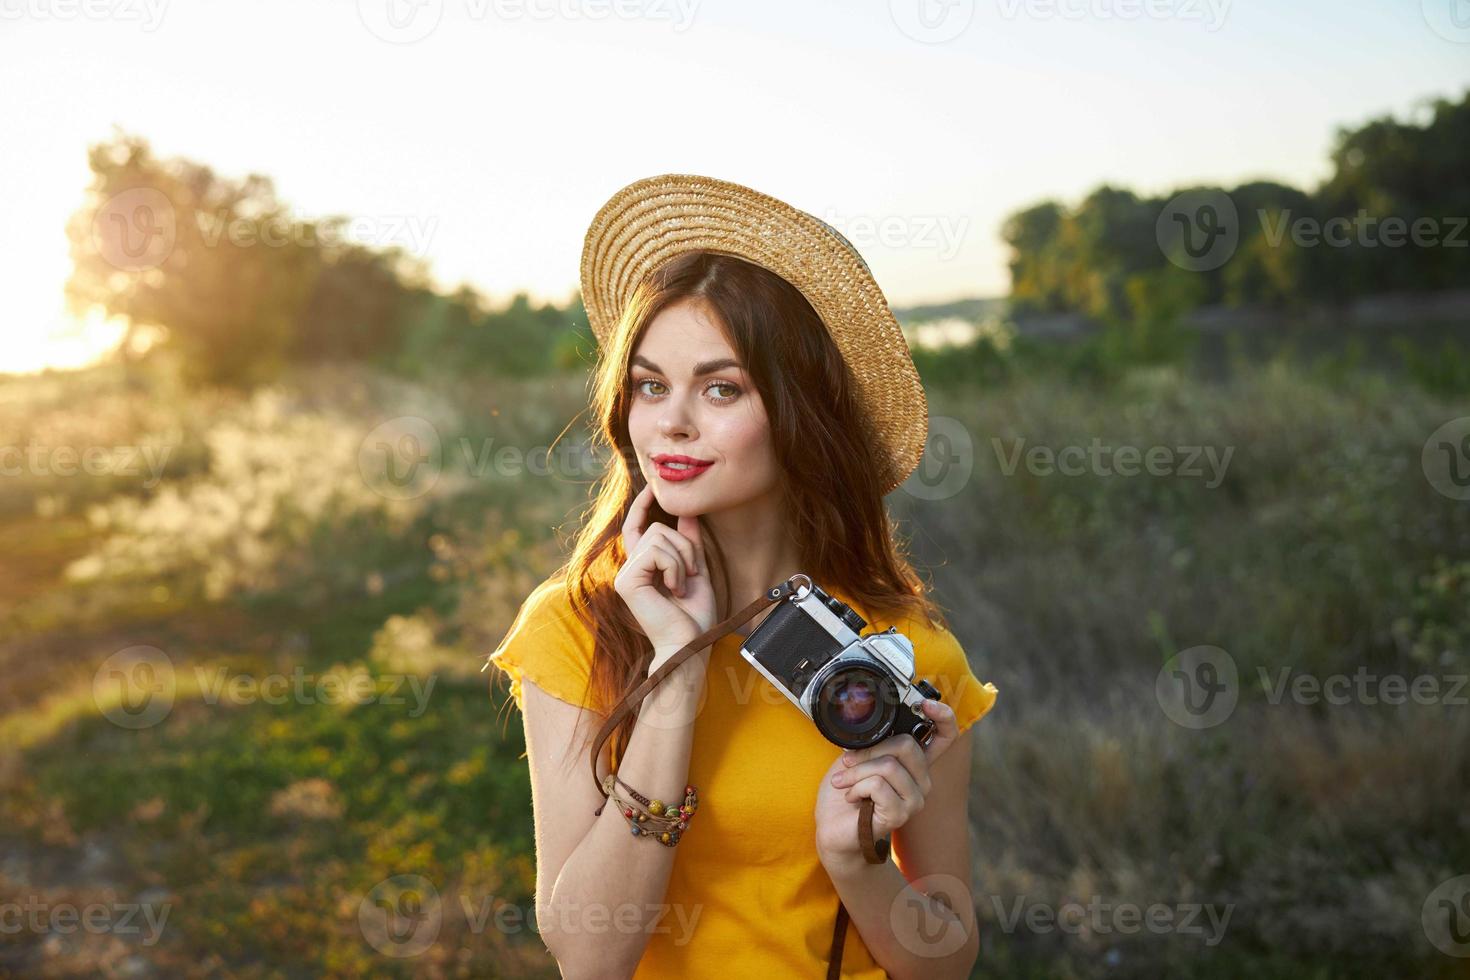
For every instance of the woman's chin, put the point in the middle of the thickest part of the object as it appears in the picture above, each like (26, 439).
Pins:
(679, 500)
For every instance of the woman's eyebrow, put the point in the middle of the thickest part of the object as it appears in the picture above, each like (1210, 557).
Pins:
(702, 368)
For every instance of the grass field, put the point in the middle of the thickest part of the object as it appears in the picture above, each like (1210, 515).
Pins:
(243, 721)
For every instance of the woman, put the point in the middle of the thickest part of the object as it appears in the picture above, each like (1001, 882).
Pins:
(761, 401)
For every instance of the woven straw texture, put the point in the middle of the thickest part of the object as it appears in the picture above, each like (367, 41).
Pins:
(652, 220)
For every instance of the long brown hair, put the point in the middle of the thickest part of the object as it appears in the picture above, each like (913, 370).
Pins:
(821, 438)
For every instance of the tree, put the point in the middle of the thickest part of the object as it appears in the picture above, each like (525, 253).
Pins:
(173, 245)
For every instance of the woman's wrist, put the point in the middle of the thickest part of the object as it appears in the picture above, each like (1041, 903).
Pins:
(661, 656)
(674, 701)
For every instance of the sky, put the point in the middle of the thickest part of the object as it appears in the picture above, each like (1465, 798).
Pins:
(483, 135)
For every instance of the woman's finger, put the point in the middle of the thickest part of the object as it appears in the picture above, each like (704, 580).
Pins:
(914, 766)
(887, 801)
(902, 746)
(637, 517)
(892, 772)
(658, 558)
(677, 541)
(946, 727)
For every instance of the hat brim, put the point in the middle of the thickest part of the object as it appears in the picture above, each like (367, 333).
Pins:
(655, 219)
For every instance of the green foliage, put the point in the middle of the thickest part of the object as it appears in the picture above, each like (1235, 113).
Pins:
(1445, 371)
(1410, 170)
(1081, 259)
(1435, 631)
(520, 340)
(155, 248)
(1155, 333)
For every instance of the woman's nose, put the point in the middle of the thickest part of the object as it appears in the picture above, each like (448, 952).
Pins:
(675, 419)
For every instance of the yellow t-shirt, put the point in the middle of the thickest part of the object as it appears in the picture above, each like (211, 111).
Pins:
(764, 904)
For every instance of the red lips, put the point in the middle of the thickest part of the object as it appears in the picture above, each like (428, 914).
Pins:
(676, 474)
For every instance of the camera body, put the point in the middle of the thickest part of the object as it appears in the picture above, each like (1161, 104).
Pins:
(857, 690)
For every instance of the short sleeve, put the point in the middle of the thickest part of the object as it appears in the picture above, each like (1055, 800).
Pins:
(939, 658)
(549, 645)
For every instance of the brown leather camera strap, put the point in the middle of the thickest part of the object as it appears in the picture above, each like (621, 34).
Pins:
(874, 852)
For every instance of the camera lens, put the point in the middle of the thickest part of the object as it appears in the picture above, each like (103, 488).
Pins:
(855, 706)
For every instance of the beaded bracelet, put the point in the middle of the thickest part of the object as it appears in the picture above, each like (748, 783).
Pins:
(652, 818)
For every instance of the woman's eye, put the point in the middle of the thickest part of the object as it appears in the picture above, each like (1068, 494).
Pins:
(734, 391)
(724, 391)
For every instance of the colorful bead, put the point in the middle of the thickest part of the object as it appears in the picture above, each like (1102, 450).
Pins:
(628, 812)
(655, 807)
(664, 837)
(635, 831)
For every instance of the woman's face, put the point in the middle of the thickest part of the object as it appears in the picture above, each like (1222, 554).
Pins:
(691, 397)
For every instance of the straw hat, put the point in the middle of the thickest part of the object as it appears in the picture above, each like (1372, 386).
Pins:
(651, 221)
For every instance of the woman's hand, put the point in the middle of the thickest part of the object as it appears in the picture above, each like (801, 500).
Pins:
(894, 774)
(665, 581)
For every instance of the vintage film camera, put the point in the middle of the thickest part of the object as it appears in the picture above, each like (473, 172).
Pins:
(858, 690)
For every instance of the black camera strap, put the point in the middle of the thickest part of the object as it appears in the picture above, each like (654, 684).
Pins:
(874, 851)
